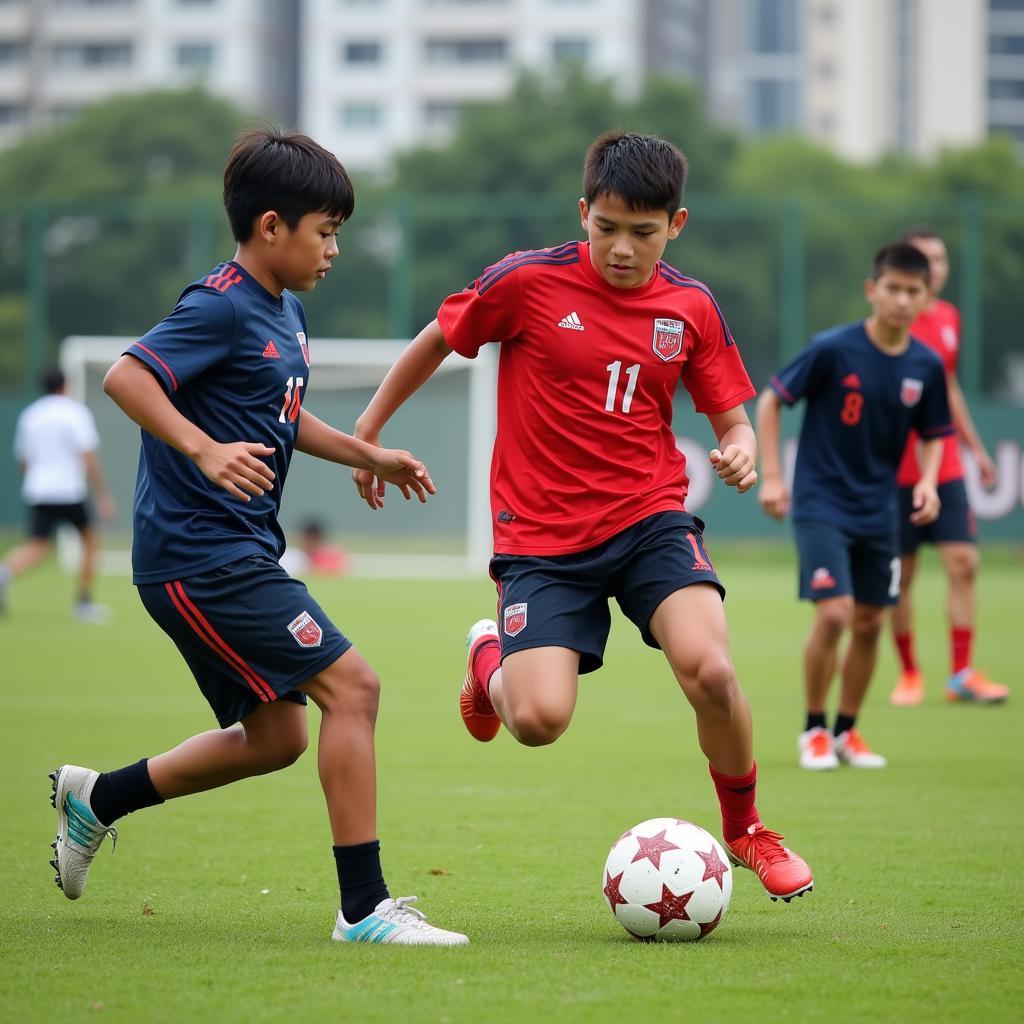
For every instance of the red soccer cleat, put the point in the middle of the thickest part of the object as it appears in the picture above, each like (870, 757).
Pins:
(781, 871)
(477, 710)
(909, 689)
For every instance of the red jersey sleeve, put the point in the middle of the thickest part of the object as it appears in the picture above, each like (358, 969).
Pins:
(490, 309)
(713, 372)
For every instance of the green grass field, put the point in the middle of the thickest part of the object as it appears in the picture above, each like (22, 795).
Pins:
(220, 907)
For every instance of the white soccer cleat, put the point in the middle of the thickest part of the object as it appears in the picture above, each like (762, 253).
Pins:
(93, 614)
(79, 832)
(852, 750)
(396, 921)
(816, 750)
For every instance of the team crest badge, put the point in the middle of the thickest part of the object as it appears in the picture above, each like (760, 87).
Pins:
(949, 338)
(910, 391)
(305, 630)
(668, 339)
(301, 335)
(515, 619)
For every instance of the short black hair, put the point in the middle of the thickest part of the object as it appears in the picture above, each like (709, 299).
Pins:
(903, 258)
(270, 169)
(52, 381)
(645, 171)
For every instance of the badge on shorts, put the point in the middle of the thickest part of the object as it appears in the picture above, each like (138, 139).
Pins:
(515, 619)
(305, 630)
(303, 344)
(910, 391)
(668, 339)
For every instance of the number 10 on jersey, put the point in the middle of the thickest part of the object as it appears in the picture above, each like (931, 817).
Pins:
(632, 372)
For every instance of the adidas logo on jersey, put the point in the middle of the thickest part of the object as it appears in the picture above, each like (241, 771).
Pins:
(851, 380)
(270, 352)
(572, 322)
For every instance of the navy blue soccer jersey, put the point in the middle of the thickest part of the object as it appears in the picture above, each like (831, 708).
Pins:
(861, 404)
(234, 360)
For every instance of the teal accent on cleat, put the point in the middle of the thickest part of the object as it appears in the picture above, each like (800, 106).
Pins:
(395, 921)
(79, 832)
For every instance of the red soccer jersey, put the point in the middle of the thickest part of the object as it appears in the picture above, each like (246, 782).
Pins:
(938, 327)
(586, 375)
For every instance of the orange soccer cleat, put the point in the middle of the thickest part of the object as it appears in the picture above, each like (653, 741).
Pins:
(969, 685)
(909, 689)
(781, 871)
(477, 710)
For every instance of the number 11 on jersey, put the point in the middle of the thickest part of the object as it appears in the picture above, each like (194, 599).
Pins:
(292, 400)
(632, 372)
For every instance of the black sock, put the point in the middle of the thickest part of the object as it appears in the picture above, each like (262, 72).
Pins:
(843, 723)
(815, 720)
(120, 792)
(360, 879)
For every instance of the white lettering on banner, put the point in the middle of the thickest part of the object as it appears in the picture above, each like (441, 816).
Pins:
(1008, 491)
(1000, 501)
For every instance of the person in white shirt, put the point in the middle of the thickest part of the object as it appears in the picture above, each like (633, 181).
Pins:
(55, 443)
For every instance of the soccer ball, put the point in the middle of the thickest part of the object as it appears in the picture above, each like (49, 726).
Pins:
(667, 880)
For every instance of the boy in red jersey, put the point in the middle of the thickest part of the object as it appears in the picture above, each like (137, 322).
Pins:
(953, 533)
(587, 484)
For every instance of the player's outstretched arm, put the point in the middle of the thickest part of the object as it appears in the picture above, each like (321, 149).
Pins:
(966, 429)
(926, 494)
(387, 465)
(773, 495)
(236, 467)
(412, 369)
(735, 458)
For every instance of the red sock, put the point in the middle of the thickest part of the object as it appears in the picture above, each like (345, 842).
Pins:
(960, 641)
(486, 661)
(905, 646)
(736, 795)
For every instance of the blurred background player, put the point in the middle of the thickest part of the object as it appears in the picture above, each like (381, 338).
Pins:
(312, 554)
(588, 487)
(953, 533)
(56, 444)
(864, 385)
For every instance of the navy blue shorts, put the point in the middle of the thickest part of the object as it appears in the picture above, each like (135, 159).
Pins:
(955, 524)
(248, 631)
(562, 600)
(44, 519)
(835, 562)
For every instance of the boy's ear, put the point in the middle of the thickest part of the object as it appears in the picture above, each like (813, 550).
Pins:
(678, 222)
(869, 289)
(584, 212)
(267, 225)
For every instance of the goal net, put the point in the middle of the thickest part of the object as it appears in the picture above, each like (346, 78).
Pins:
(449, 424)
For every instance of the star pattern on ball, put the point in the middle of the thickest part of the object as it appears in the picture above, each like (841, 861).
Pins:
(652, 847)
(706, 927)
(671, 907)
(714, 866)
(611, 890)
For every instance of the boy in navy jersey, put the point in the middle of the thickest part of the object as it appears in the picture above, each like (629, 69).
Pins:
(217, 387)
(865, 385)
(588, 487)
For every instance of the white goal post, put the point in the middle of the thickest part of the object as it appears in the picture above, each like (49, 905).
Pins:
(449, 423)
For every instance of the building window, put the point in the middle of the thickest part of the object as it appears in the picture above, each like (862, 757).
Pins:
(1007, 5)
(92, 56)
(466, 51)
(441, 115)
(362, 116)
(194, 56)
(1006, 45)
(95, 3)
(11, 113)
(12, 51)
(775, 26)
(570, 49)
(363, 51)
(775, 106)
(1006, 89)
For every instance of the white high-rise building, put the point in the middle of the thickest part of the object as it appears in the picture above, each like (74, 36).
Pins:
(57, 56)
(380, 75)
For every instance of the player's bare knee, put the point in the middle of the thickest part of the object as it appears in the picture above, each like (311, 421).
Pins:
(832, 618)
(349, 686)
(963, 568)
(716, 687)
(537, 726)
(867, 624)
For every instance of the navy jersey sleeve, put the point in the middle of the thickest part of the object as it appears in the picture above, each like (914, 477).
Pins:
(803, 375)
(198, 333)
(932, 418)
